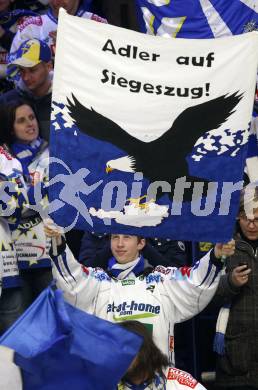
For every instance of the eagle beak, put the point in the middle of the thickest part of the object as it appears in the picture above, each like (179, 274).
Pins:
(108, 169)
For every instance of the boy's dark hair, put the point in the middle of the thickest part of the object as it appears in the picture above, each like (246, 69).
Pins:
(139, 238)
(150, 360)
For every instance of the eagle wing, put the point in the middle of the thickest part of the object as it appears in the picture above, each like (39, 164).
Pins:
(94, 124)
(194, 121)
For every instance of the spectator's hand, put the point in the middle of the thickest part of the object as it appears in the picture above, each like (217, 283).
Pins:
(239, 276)
(226, 250)
(52, 34)
(52, 230)
(35, 178)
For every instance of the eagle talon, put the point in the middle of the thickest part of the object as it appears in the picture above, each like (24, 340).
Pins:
(137, 204)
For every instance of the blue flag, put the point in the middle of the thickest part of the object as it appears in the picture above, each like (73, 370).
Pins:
(197, 18)
(60, 347)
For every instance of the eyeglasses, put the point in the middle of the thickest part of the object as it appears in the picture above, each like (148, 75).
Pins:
(246, 220)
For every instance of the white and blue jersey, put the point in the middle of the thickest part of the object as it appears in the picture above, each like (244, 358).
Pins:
(31, 244)
(173, 379)
(159, 300)
(44, 27)
(13, 196)
(9, 272)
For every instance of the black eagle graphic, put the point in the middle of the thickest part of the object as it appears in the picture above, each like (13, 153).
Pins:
(163, 159)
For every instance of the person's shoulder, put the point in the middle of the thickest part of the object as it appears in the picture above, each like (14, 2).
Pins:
(90, 15)
(42, 156)
(154, 275)
(29, 21)
(9, 96)
(9, 165)
(44, 148)
(97, 272)
(162, 270)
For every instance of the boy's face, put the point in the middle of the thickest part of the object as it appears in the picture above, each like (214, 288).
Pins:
(125, 248)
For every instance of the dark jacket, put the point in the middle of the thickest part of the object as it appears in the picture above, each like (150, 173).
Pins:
(41, 106)
(239, 365)
(170, 253)
(95, 251)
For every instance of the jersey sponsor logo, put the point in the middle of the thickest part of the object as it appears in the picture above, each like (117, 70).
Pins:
(128, 282)
(96, 273)
(185, 271)
(153, 278)
(101, 276)
(26, 20)
(5, 153)
(6, 246)
(98, 18)
(129, 309)
(182, 377)
(29, 224)
(163, 270)
(10, 267)
(151, 288)
(29, 252)
(181, 245)
(85, 270)
(205, 246)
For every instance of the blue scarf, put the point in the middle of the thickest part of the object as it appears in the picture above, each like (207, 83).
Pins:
(26, 153)
(221, 327)
(122, 271)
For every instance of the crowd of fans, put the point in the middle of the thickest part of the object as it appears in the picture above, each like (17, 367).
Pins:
(25, 104)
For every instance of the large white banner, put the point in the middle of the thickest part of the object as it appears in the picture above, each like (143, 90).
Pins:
(151, 132)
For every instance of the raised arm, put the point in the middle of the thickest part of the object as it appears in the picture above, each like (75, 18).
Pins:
(79, 284)
(190, 289)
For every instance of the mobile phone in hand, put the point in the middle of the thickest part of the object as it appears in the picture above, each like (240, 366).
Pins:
(243, 263)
